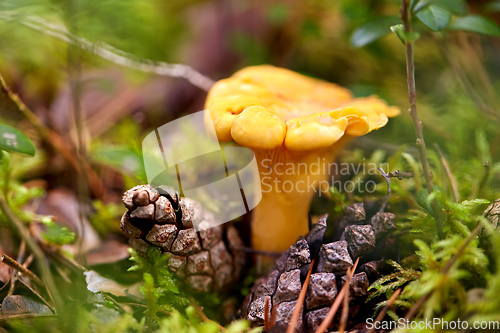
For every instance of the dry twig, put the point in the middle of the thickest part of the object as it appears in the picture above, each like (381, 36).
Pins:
(37, 294)
(23, 316)
(20, 256)
(18, 267)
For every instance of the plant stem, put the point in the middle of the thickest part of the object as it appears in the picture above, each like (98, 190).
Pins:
(37, 251)
(446, 167)
(52, 138)
(422, 152)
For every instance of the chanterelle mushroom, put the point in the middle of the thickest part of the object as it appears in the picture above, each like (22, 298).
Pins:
(295, 125)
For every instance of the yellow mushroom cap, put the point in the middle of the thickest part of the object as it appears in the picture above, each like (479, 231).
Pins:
(265, 107)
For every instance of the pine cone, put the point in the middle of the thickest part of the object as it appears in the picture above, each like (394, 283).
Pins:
(282, 286)
(208, 260)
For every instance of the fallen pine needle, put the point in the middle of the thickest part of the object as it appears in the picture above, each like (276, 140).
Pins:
(384, 310)
(345, 307)
(300, 301)
(336, 304)
(199, 311)
(266, 316)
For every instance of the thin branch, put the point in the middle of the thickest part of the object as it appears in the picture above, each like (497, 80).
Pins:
(300, 301)
(23, 315)
(446, 167)
(37, 294)
(62, 274)
(20, 256)
(412, 95)
(399, 175)
(112, 54)
(56, 253)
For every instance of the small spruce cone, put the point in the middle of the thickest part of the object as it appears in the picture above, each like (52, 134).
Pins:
(281, 287)
(208, 260)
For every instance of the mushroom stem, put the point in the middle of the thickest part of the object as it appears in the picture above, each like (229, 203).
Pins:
(278, 220)
(288, 182)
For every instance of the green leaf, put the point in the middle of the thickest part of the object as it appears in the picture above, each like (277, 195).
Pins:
(399, 31)
(477, 24)
(413, 5)
(13, 140)
(4, 161)
(456, 7)
(403, 36)
(434, 17)
(422, 200)
(373, 30)
(56, 234)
